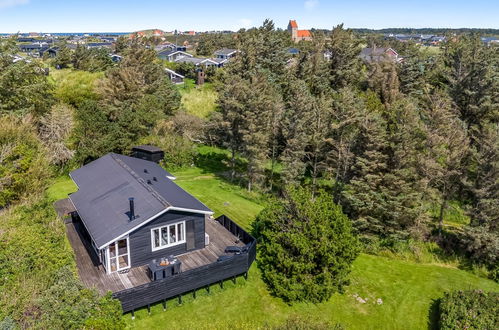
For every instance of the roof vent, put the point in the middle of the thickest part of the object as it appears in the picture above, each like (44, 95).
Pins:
(155, 178)
(145, 170)
(149, 182)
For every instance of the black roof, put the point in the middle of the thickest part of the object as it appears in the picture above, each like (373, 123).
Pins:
(106, 184)
(148, 148)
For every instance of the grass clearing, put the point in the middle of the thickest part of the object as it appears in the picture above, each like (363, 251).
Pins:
(198, 100)
(61, 188)
(408, 289)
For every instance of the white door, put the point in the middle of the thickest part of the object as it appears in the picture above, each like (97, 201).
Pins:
(119, 255)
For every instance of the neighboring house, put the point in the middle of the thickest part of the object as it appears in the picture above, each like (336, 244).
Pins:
(293, 51)
(99, 45)
(374, 55)
(490, 40)
(51, 51)
(225, 53)
(199, 61)
(175, 77)
(298, 35)
(139, 235)
(31, 48)
(173, 55)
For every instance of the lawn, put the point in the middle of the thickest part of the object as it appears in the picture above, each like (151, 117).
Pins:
(198, 100)
(407, 289)
(60, 188)
(407, 292)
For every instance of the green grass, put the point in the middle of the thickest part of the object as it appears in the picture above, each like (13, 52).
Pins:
(199, 101)
(408, 289)
(60, 188)
(221, 197)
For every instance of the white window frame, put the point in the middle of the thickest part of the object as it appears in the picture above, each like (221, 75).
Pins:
(178, 242)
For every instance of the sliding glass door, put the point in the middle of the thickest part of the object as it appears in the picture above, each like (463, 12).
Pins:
(119, 255)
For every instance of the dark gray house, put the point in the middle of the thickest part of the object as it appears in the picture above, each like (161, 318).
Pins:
(133, 212)
(139, 235)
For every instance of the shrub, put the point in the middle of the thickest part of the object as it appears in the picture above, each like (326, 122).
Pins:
(23, 167)
(179, 150)
(482, 246)
(306, 246)
(68, 305)
(470, 310)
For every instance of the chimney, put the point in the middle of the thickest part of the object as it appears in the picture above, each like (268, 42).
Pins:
(132, 209)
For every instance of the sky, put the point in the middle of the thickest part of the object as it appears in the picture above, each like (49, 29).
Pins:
(127, 15)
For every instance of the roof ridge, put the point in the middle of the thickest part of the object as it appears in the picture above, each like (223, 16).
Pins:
(142, 182)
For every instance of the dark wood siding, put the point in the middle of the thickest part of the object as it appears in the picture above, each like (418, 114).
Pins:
(140, 240)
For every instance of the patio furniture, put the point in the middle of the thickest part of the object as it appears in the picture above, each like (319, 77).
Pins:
(233, 249)
(166, 267)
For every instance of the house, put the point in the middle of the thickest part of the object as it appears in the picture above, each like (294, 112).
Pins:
(173, 55)
(298, 35)
(375, 54)
(139, 235)
(293, 51)
(490, 40)
(99, 45)
(175, 78)
(200, 61)
(225, 53)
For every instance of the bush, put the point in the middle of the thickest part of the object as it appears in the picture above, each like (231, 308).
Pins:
(482, 247)
(23, 166)
(470, 310)
(38, 283)
(179, 150)
(68, 305)
(306, 246)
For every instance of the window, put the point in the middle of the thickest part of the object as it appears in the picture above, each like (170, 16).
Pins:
(166, 236)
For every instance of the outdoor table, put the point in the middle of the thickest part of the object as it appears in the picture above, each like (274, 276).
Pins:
(158, 271)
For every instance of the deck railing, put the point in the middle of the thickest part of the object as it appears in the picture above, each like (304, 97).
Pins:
(193, 279)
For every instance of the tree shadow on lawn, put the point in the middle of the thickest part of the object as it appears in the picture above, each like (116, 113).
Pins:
(434, 315)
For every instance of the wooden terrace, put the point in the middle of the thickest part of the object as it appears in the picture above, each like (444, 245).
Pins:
(93, 275)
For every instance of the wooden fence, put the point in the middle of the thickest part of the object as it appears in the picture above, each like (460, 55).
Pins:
(193, 279)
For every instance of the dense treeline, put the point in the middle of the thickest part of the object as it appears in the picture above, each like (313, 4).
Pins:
(434, 31)
(48, 126)
(390, 146)
(394, 144)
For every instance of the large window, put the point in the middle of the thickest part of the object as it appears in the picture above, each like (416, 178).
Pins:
(169, 235)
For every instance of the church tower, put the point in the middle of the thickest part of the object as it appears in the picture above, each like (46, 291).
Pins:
(293, 29)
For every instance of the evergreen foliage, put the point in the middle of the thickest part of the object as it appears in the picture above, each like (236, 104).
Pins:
(469, 310)
(24, 88)
(306, 246)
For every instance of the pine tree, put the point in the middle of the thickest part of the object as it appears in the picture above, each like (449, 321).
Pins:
(485, 179)
(295, 129)
(344, 62)
(306, 246)
(64, 57)
(447, 146)
(471, 70)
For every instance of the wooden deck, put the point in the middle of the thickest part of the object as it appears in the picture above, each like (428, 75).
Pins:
(93, 275)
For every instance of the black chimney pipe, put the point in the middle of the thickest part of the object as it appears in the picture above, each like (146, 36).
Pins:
(132, 209)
